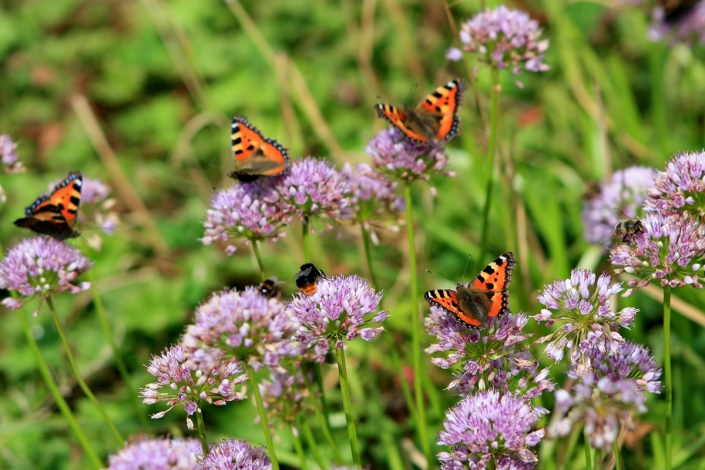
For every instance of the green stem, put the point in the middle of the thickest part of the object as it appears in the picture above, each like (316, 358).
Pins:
(667, 370)
(81, 382)
(368, 253)
(262, 416)
(491, 157)
(58, 398)
(415, 330)
(347, 406)
(307, 239)
(617, 460)
(105, 325)
(258, 255)
(588, 460)
(299, 447)
(322, 421)
(202, 432)
(311, 440)
(598, 460)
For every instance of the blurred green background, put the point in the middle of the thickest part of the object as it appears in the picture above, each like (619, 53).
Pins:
(140, 94)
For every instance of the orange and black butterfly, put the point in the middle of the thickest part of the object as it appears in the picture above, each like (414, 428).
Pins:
(55, 214)
(254, 154)
(307, 278)
(486, 297)
(435, 119)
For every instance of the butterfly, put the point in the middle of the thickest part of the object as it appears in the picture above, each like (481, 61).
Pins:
(254, 155)
(435, 119)
(486, 297)
(307, 277)
(55, 214)
(271, 288)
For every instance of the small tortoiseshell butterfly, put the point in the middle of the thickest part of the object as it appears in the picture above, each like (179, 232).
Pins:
(55, 215)
(486, 297)
(271, 288)
(435, 119)
(307, 278)
(254, 155)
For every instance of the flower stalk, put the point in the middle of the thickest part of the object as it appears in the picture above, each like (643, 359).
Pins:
(262, 416)
(201, 425)
(668, 373)
(258, 255)
(347, 406)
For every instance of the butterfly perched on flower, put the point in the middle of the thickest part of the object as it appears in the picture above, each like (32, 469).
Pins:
(435, 119)
(55, 214)
(487, 296)
(254, 154)
(307, 278)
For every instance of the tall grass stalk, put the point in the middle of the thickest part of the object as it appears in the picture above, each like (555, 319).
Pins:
(321, 418)
(491, 158)
(311, 440)
(298, 446)
(262, 416)
(347, 406)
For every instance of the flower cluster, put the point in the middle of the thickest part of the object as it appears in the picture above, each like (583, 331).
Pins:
(285, 395)
(41, 266)
(178, 385)
(487, 426)
(234, 454)
(688, 27)
(339, 309)
(371, 194)
(585, 313)
(492, 357)
(507, 39)
(158, 454)
(681, 188)
(240, 326)
(623, 196)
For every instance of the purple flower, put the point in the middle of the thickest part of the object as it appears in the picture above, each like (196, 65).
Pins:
(338, 310)
(493, 357)
(158, 454)
(687, 28)
(41, 266)
(669, 252)
(9, 158)
(488, 425)
(249, 210)
(584, 313)
(241, 326)
(681, 188)
(372, 194)
(620, 198)
(606, 398)
(178, 385)
(313, 187)
(401, 159)
(96, 207)
(506, 38)
(233, 454)
(285, 395)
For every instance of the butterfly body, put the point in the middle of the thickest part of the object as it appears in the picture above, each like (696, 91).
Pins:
(487, 296)
(55, 214)
(306, 279)
(254, 154)
(271, 288)
(435, 119)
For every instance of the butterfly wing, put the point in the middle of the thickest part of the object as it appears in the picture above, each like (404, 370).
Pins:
(448, 300)
(254, 155)
(443, 105)
(400, 119)
(493, 282)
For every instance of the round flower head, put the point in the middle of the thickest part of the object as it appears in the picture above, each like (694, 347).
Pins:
(493, 357)
(399, 158)
(669, 251)
(584, 312)
(338, 310)
(313, 187)
(621, 198)
(285, 395)
(178, 385)
(158, 454)
(248, 210)
(681, 188)
(488, 425)
(688, 28)
(372, 194)
(506, 38)
(240, 326)
(233, 454)
(607, 397)
(41, 266)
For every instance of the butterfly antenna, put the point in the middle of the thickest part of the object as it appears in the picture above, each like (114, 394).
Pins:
(466, 268)
(439, 276)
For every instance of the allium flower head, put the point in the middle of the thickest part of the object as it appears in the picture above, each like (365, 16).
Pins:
(621, 198)
(496, 356)
(249, 210)
(582, 306)
(507, 39)
(285, 395)
(669, 251)
(681, 188)
(372, 194)
(339, 309)
(608, 396)
(240, 326)
(158, 454)
(41, 266)
(688, 28)
(487, 425)
(233, 454)
(399, 158)
(178, 385)
(313, 187)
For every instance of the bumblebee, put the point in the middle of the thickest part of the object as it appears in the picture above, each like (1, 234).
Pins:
(271, 288)
(308, 276)
(627, 228)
